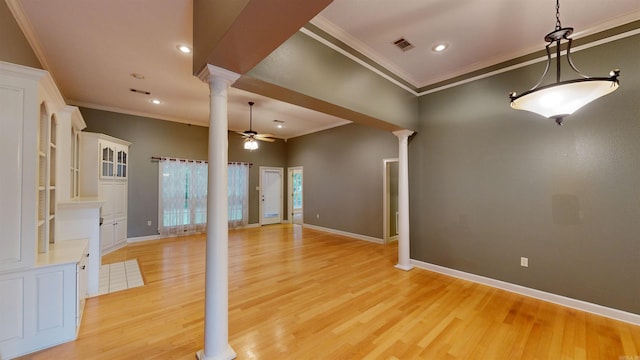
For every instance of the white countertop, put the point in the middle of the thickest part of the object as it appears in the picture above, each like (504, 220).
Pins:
(63, 252)
(83, 202)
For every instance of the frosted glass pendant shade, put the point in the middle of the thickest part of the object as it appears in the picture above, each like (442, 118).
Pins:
(564, 98)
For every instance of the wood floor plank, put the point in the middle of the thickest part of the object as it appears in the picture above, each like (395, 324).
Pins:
(298, 293)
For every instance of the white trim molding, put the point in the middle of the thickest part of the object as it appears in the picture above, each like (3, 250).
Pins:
(345, 233)
(25, 25)
(143, 238)
(361, 62)
(339, 35)
(533, 293)
(138, 239)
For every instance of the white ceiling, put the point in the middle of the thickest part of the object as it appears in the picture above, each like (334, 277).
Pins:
(480, 33)
(92, 47)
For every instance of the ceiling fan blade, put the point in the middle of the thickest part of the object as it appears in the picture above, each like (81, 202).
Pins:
(265, 135)
(242, 133)
(258, 137)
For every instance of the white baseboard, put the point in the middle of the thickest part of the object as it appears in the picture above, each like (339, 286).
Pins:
(143, 238)
(537, 294)
(254, 225)
(344, 233)
(113, 248)
(158, 236)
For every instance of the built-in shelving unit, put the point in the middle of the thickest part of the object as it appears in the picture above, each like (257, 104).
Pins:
(104, 169)
(45, 262)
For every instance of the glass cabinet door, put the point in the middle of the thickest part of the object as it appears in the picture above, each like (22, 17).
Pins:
(107, 162)
(121, 171)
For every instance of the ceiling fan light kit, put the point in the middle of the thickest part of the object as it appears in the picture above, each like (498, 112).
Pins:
(250, 144)
(251, 137)
(562, 98)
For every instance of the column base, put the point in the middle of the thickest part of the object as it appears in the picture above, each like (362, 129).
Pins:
(403, 267)
(227, 355)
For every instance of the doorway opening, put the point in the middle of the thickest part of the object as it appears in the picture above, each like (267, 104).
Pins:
(390, 200)
(295, 200)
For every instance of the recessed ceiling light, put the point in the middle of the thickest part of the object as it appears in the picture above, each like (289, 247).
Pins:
(156, 101)
(184, 49)
(440, 47)
(137, 76)
(279, 123)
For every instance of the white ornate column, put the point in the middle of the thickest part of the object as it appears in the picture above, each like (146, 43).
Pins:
(403, 200)
(216, 321)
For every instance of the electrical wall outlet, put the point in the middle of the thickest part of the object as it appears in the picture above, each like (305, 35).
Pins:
(149, 223)
(317, 216)
(524, 262)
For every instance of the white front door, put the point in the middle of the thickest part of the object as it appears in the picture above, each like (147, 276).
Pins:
(270, 195)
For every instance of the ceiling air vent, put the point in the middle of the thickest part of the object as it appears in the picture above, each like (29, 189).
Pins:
(403, 44)
(140, 91)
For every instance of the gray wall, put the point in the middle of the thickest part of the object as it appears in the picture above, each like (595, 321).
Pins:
(342, 168)
(151, 137)
(14, 47)
(268, 154)
(322, 73)
(490, 184)
(343, 176)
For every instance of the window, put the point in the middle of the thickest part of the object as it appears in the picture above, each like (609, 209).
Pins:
(182, 200)
(297, 190)
(183, 197)
(238, 186)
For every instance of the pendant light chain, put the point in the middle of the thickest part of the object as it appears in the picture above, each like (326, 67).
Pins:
(558, 25)
(250, 115)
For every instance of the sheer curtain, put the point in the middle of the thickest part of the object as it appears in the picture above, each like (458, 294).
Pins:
(238, 185)
(182, 200)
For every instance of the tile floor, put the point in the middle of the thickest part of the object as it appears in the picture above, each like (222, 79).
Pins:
(119, 276)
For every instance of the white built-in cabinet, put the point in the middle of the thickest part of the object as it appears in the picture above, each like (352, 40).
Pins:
(44, 272)
(104, 167)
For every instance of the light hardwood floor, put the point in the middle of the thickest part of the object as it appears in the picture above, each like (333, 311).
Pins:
(298, 293)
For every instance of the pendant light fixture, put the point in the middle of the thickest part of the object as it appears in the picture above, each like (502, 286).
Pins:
(250, 142)
(562, 98)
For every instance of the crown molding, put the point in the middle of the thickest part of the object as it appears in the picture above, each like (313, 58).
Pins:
(27, 29)
(601, 33)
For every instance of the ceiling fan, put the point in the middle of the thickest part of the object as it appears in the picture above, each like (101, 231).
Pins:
(251, 136)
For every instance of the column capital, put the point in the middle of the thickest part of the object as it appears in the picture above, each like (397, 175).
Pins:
(211, 72)
(404, 133)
